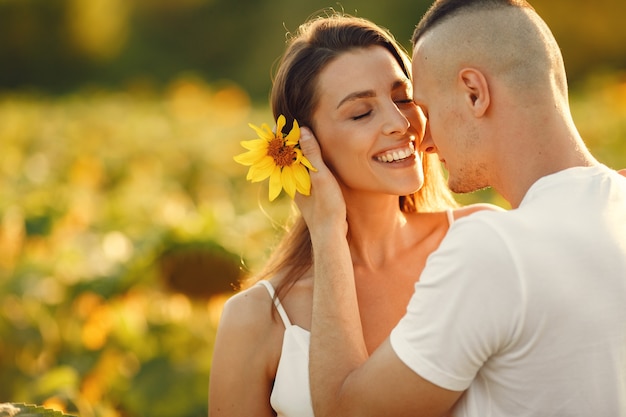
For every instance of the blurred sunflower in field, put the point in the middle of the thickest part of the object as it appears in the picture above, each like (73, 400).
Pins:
(278, 157)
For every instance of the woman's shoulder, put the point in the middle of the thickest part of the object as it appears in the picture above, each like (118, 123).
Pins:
(248, 305)
(248, 309)
(247, 348)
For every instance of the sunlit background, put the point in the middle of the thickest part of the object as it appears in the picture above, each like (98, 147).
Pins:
(124, 221)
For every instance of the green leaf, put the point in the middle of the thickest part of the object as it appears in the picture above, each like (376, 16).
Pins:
(28, 410)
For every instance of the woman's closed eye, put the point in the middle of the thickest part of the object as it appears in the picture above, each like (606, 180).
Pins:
(362, 115)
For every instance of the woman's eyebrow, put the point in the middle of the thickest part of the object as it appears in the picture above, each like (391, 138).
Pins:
(357, 95)
(401, 83)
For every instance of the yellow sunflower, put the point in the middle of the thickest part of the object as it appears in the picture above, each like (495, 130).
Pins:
(279, 158)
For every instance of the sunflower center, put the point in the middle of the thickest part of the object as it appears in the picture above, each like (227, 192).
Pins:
(283, 155)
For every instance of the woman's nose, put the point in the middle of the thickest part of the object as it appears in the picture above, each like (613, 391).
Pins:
(397, 122)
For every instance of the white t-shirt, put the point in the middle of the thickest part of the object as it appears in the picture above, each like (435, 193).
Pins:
(525, 310)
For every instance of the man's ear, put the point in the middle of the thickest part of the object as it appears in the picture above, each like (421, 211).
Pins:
(476, 89)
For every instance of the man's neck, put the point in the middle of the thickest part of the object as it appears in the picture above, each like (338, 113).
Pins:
(528, 164)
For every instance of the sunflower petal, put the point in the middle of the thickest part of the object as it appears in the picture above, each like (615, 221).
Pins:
(275, 183)
(288, 180)
(254, 144)
(303, 179)
(264, 131)
(257, 175)
(280, 123)
(294, 136)
(301, 159)
(250, 157)
(261, 170)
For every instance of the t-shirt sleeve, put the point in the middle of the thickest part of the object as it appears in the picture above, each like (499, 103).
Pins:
(465, 307)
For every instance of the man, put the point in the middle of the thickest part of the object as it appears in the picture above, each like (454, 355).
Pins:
(521, 313)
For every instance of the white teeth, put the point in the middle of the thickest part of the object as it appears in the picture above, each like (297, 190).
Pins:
(397, 155)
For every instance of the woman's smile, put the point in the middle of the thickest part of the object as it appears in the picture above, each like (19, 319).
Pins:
(397, 154)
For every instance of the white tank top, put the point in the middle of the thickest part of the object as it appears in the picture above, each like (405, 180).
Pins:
(291, 394)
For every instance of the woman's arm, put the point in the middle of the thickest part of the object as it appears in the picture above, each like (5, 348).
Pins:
(241, 371)
(343, 381)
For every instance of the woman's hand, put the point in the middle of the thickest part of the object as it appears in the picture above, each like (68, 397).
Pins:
(325, 208)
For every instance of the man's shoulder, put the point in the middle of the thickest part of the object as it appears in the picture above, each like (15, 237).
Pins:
(486, 223)
(479, 236)
(465, 211)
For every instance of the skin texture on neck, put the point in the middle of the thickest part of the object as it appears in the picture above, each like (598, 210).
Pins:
(374, 229)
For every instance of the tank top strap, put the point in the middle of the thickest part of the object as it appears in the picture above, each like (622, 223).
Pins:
(450, 214)
(279, 307)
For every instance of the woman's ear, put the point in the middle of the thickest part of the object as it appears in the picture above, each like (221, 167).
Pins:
(476, 90)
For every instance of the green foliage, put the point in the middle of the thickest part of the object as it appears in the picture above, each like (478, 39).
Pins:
(27, 410)
(599, 108)
(62, 45)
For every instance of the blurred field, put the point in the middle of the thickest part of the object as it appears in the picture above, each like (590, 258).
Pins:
(124, 221)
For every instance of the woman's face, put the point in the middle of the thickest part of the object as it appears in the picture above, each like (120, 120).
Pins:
(367, 124)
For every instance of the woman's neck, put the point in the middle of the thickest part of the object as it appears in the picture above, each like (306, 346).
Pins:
(377, 230)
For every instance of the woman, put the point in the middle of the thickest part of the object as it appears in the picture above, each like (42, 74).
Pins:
(349, 82)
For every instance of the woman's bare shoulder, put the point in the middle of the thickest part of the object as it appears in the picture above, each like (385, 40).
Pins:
(250, 309)
(248, 329)
(247, 348)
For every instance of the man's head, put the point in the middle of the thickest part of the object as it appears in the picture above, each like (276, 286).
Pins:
(479, 67)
